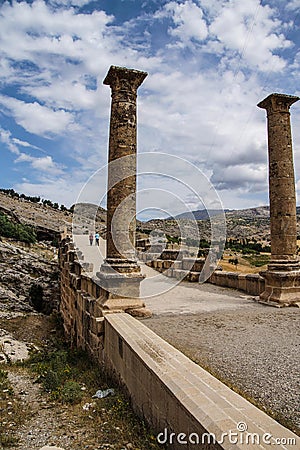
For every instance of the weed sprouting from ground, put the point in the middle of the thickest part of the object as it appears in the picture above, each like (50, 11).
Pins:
(62, 373)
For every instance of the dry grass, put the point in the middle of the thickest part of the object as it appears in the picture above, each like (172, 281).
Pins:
(244, 264)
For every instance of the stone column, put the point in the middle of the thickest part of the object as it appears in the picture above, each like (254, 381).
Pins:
(120, 274)
(121, 195)
(282, 279)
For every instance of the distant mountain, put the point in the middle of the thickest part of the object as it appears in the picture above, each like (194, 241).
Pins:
(200, 214)
(259, 212)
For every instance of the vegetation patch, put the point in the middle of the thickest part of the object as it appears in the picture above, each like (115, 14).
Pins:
(18, 231)
(69, 377)
(258, 260)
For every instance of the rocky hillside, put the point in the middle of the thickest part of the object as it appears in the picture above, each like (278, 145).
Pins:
(88, 217)
(46, 220)
(247, 223)
(49, 221)
(28, 278)
(252, 223)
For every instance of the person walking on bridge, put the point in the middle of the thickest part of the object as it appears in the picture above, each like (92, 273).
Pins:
(97, 237)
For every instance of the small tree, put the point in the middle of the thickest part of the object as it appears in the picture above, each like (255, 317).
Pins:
(234, 261)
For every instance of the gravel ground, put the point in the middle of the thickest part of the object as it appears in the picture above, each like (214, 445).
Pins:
(255, 351)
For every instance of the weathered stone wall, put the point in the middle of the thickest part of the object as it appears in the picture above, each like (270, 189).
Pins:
(252, 284)
(189, 269)
(80, 302)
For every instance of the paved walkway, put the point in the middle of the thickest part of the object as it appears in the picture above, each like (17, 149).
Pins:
(166, 296)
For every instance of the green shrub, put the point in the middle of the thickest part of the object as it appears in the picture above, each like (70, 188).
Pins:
(58, 371)
(23, 233)
(71, 392)
(258, 260)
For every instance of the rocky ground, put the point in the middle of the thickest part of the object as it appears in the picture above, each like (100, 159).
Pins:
(29, 277)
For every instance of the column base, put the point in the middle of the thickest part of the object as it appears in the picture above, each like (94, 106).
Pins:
(121, 291)
(282, 284)
(118, 265)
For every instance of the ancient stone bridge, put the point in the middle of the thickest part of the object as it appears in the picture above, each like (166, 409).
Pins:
(101, 296)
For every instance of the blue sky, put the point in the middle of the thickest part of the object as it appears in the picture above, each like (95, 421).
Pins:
(209, 63)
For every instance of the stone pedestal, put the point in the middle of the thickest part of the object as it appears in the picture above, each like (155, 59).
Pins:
(120, 275)
(120, 293)
(282, 279)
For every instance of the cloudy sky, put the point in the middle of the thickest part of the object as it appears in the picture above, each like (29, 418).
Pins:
(209, 63)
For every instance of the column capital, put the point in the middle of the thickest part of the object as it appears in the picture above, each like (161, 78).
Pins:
(278, 102)
(121, 78)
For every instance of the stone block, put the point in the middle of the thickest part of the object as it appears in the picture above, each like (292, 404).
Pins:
(193, 277)
(167, 264)
(159, 264)
(232, 280)
(97, 325)
(87, 267)
(281, 287)
(177, 265)
(242, 282)
(168, 273)
(252, 284)
(77, 268)
(170, 254)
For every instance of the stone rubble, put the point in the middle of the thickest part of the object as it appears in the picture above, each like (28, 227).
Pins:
(12, 350)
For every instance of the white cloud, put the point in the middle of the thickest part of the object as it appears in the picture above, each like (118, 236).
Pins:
(68, 3)
(5, 137)
(43, 164)
(62, 191)
(188, 20)
(64, 94)
(36, 118)
(252, 177)
(292, 5)
(26, 144)
(253, 31)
